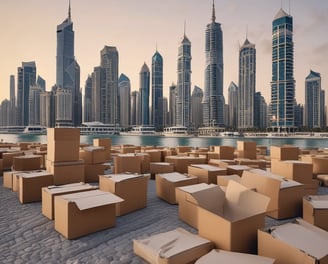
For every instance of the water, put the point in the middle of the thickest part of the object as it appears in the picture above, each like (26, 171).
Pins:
(173, 142)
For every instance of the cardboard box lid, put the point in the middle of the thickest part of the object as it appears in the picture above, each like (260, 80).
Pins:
(175, 176)
(208, 167)
(196, 187)
(123, 176)
(35, 174)
(303, 236)
(55, 189)
(318, 201)
(171, 243)
(222, 256)
(93, 148)
(28, 156)
(91, 199)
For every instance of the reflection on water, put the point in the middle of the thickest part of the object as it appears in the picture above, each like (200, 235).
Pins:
(172, 141)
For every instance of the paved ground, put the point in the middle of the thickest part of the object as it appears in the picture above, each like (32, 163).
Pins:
(26, 236)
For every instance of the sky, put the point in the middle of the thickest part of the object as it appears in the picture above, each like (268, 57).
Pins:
(136, 28)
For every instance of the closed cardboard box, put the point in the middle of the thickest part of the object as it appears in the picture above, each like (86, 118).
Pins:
(82, 213)
(127, 163)
(294, 242)
(15, 178)
(222, 163)
(246, 145)
(160, 167)
(92, 171)
(28, 162)
(315, 210)
(130, 187)
(106, 143)
(284, 152)
(206, 173)
(181, 163)
(93, 155)
(175, 246)
(49, 193)
(259, 164)
(8, 158)
(225, 152)
(8, 179)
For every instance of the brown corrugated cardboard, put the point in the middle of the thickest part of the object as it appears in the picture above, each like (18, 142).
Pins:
(8, 179)
(323, 179)
(320, 165)
(181, 163)
(260, 164)
(155, 155)
(206, 173)
(160, 167)
(233, 220)
(286, 195)
(225, 152)
(224, 179)
(295, 242)
(173, 247)
(246, 145)
(49, 193)
(221, 163)
(15, 178)
(222, 256)
(92, 171)
(1, 167)
(106, 143)
(284, 152)
(28, 162)
(66, 172)
(7, 158)
(237, 169)
(93, 155)
(315, 210)
(82, 213)
(167, 182)
(127, 163)
(30, 185)
(130, 187)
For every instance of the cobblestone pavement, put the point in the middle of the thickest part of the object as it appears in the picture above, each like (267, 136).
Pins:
(26, 236)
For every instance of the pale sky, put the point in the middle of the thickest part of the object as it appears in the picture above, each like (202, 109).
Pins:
(28, 33)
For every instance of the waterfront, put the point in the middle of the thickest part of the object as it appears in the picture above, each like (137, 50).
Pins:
(176, 141)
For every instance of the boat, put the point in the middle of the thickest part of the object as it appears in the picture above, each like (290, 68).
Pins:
(141, 131)
(177, 131)
(291, 135)
(99, 128)
(11, 129)
(35, 129)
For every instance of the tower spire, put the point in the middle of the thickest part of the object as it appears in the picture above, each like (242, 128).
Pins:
(69, 10)
(213, 12)
(184, 29)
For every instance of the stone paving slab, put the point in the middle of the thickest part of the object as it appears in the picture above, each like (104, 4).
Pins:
(26, 236)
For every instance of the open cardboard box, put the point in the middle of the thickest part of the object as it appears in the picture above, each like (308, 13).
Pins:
(294, 242)
(230, 219)
(206, 173)
(315, 210)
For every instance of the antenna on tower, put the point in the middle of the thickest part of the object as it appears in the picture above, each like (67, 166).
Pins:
(184, 29)
(69, 9)
(213, 12)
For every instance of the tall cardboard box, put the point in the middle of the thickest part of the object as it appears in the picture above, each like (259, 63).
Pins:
(315, 210)
(63, 144)
(167, 182)
(27, 162)
(160, 167)
(286, 195)
(50, 192)
(206, 173)
(284, 152)
(176, 246)
(225, 152)
(232, 221)
(83, 213)
(294, 242)
(130, 187)
(30, 185)
(181, 163)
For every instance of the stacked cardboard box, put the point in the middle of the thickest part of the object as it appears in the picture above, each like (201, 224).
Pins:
(225, 152)
(63, 155)
(284, 152)
(106, 143)
(181, 163)
(246, 149)
(315, 210)
(206, 173)
(94, 158)
(258, 164)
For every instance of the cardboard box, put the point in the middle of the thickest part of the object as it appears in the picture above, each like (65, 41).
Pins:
(183, 149)
(247, 154)
(160, 167)
(320, 165)
(155, 155)
(315, 210)
(188, 212)
(206, 173)
(223, 180)
(92, 171)
(82, 213)
(221, 163)
(66, 172)
(8, 159)
(294, 242)
(237, 169)
(127, 163)
(259, 164)
(15, 178)
(299, 171)
(28, 162)
(286, 195)
(231, 223)
(93, 155)
(181, 163)
(8, 179)
(222, 256)
(225, 152)
(246, 145)
(63, 144)
(323, 179)
(30, 185)
(284, 152)
(49, 193)
(167, 182)
(131, 187)
(106, 143)
(176, 246)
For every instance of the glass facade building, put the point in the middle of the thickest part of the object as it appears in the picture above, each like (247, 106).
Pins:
(157, 91)
(144, 94)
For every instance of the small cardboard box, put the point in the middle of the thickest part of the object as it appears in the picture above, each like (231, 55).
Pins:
(247, 154)
(286, 195)
(82, 213)
(131, 187)
(232, 221)
(224, 179)
(49, 193)
(188, 212)
(66, 172)
(284, 152)
(28, 162)
(181, 163)
(30, 185)
(206, 173)
(222, 256)
(155, 155)
(167, 182)
(8, 158)
(296, 170)
(15, 178)
(106, 143)
(160, 167)
(92, 171)
(225, 152)
(246, 145)
(175, 246)
(63, 144)
(315, 210)
(320, 165)
(127, 163)
(93, 155)
(294, 242)
(237, 169)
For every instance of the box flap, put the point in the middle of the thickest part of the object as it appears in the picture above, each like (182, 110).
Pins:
(55, 189)
(175, 176)
(221, 256)
(196, 187)
(207, 167)
(123, 176)
(91, 199)
(318, 201)
(293, 234)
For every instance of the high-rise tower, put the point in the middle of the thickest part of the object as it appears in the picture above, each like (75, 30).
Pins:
(283, 83)
(157, 91)
(124, 91)
(213, 101)
(144, 94)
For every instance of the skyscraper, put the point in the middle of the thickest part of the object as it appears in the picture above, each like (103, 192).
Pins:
(260, 111)
(283, 83)
(172, 105)
(68, 70)
(134, 108)
(183, 90)
(87, 111)
(157, 91)
(213, 102)
(196, 107)
(47, 113)
(12, 119)
(124, 90)
(34, 105)
(246, 89)
(233, 105)
(144, 94)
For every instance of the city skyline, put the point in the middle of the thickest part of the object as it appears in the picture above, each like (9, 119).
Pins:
(31, 36)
